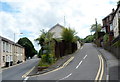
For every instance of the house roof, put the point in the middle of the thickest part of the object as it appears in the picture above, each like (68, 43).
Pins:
(9, 41)
(118, 6)
(55, 26)
(112, 13)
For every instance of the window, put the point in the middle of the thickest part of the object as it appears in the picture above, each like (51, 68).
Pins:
(111, 27)
(3, 58)
(6, 47)
(3, 46)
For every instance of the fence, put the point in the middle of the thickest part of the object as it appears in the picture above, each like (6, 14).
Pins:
(63, 48)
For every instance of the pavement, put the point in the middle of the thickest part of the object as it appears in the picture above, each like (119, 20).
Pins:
(112, 63)
(88, 64)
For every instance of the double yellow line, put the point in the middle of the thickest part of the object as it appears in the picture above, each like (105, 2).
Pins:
(64, 65)
(101, 69)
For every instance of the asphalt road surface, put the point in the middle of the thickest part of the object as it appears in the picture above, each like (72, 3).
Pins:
(16, 72)
(88, 64)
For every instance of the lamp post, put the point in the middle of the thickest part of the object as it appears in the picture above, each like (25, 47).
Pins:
(96, 33)
(96, 29)
(16, 33)
(14, 56)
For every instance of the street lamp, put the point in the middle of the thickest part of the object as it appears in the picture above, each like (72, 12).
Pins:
(14, 47)
(96, 29)
(16, 33)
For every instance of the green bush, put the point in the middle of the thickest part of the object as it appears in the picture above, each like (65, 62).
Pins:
(48, 58)
(116, 44)
(106, 38)
(43, 64)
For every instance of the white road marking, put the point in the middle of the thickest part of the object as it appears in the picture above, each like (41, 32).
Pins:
(26, 78)
(81, 47)
(79, 64)
(66, 76)
(107, 78)
(85, 56)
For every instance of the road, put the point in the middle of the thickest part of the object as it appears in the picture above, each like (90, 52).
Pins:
(16, 72)
(88, 64)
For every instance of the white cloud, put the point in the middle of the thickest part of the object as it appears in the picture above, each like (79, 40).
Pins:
(35, 15)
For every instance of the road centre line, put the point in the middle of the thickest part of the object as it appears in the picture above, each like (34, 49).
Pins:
(85, 56)
(66, 76)
(79, 64)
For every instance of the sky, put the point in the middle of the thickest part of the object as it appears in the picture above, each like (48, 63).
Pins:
(31, 16)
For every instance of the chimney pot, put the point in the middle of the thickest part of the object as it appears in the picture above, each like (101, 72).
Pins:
(113, 10)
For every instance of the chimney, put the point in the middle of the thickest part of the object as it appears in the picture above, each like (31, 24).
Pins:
(113, 10)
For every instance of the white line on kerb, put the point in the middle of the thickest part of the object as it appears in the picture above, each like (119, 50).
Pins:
(107, 78)
(79, 64)
(66, 76)
(81, 47)
(26, 78)
(85, 56)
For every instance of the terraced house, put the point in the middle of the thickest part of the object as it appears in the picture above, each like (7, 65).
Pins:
(116, 22)
(111, 24)
(10, 52)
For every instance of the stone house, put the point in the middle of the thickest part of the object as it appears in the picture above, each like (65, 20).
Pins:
(116, 21)
(10, 52)
(107, 25)
(56, 30)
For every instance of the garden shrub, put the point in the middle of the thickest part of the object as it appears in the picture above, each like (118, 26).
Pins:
(106, 38)
(116, 44)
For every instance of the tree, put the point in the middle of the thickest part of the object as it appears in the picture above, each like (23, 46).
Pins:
(41, 38)
(47, 49)
(69, 38)
(44, 37)
(118, 2)
(68, 35)
(93, 28)
(89, 38)
(29, 48)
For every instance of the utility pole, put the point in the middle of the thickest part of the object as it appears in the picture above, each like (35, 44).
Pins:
(14, 48)
(64, 22)
(96, 29)
(96, 33)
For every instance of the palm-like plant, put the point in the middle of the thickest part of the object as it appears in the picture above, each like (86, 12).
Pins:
(41, 38)
(93, 28)
(45, 41)
(68, 34)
